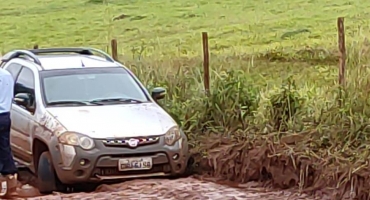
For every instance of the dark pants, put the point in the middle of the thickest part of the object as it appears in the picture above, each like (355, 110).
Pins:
(7, 165)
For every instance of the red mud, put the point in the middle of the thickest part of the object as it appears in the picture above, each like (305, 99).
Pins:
(182, 188)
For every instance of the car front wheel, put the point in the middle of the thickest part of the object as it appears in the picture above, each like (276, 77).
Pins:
(46, 176)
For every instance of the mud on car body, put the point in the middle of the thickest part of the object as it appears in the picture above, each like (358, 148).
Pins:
(82, 118)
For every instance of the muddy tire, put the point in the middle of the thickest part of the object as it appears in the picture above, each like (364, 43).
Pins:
(47, 179)
(189, 167)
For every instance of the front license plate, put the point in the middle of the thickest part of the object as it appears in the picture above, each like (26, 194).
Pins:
(128, 164)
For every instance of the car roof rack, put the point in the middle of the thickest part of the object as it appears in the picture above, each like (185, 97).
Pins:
(19, 54)
(78, 50)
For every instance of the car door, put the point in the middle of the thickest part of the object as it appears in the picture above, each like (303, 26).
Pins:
(14, 69)
(22, 117)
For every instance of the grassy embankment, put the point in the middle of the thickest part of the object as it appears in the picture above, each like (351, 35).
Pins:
(274, 71)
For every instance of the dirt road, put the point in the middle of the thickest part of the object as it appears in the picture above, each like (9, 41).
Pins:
(184, 188)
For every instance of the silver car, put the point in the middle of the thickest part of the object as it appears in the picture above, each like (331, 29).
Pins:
(80, 117)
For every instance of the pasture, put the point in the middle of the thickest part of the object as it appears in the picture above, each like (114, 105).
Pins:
(274, 72)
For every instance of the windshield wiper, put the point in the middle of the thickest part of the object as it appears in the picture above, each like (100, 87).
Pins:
(84, 103)
(116, 100)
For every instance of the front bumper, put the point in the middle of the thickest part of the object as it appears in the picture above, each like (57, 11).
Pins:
(101, 163)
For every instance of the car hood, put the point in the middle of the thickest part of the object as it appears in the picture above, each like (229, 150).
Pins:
(114, 121)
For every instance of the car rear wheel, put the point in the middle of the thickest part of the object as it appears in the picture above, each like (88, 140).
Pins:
(46, 176)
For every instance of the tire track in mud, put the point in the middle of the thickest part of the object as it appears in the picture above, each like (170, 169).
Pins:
(182, 188)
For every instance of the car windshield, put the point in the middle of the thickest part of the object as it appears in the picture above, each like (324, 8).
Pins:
(90, 86)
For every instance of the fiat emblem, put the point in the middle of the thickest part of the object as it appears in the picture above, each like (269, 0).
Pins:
(133, 142)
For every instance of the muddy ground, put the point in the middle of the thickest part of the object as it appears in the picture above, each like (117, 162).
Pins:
(190, 188)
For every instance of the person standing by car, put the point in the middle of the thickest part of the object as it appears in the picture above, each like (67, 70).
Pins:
(8, 170)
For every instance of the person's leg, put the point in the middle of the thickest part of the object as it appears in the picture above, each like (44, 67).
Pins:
(8, 170)
(7, 164)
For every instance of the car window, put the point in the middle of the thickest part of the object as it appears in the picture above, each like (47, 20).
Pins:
(14, 69)
(91, 86)
(25, 83)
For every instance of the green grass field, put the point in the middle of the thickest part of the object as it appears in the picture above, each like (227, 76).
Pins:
(274, 71)
(167, 32)
(174, 27)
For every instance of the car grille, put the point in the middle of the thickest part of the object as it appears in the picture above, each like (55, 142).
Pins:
(113, 171)
(125, 141)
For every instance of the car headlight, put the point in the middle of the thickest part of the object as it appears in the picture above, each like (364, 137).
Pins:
(172, 136)
(75, 139)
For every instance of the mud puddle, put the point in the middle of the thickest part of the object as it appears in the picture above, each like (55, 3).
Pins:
(182, 188)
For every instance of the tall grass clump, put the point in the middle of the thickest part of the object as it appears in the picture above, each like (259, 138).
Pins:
(263, 121)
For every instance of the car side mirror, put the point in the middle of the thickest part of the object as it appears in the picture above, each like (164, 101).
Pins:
(22, 99)
(158, 93)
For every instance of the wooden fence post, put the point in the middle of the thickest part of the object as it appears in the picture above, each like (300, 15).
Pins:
(206, 62)
(342, 59)
(114, 47)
